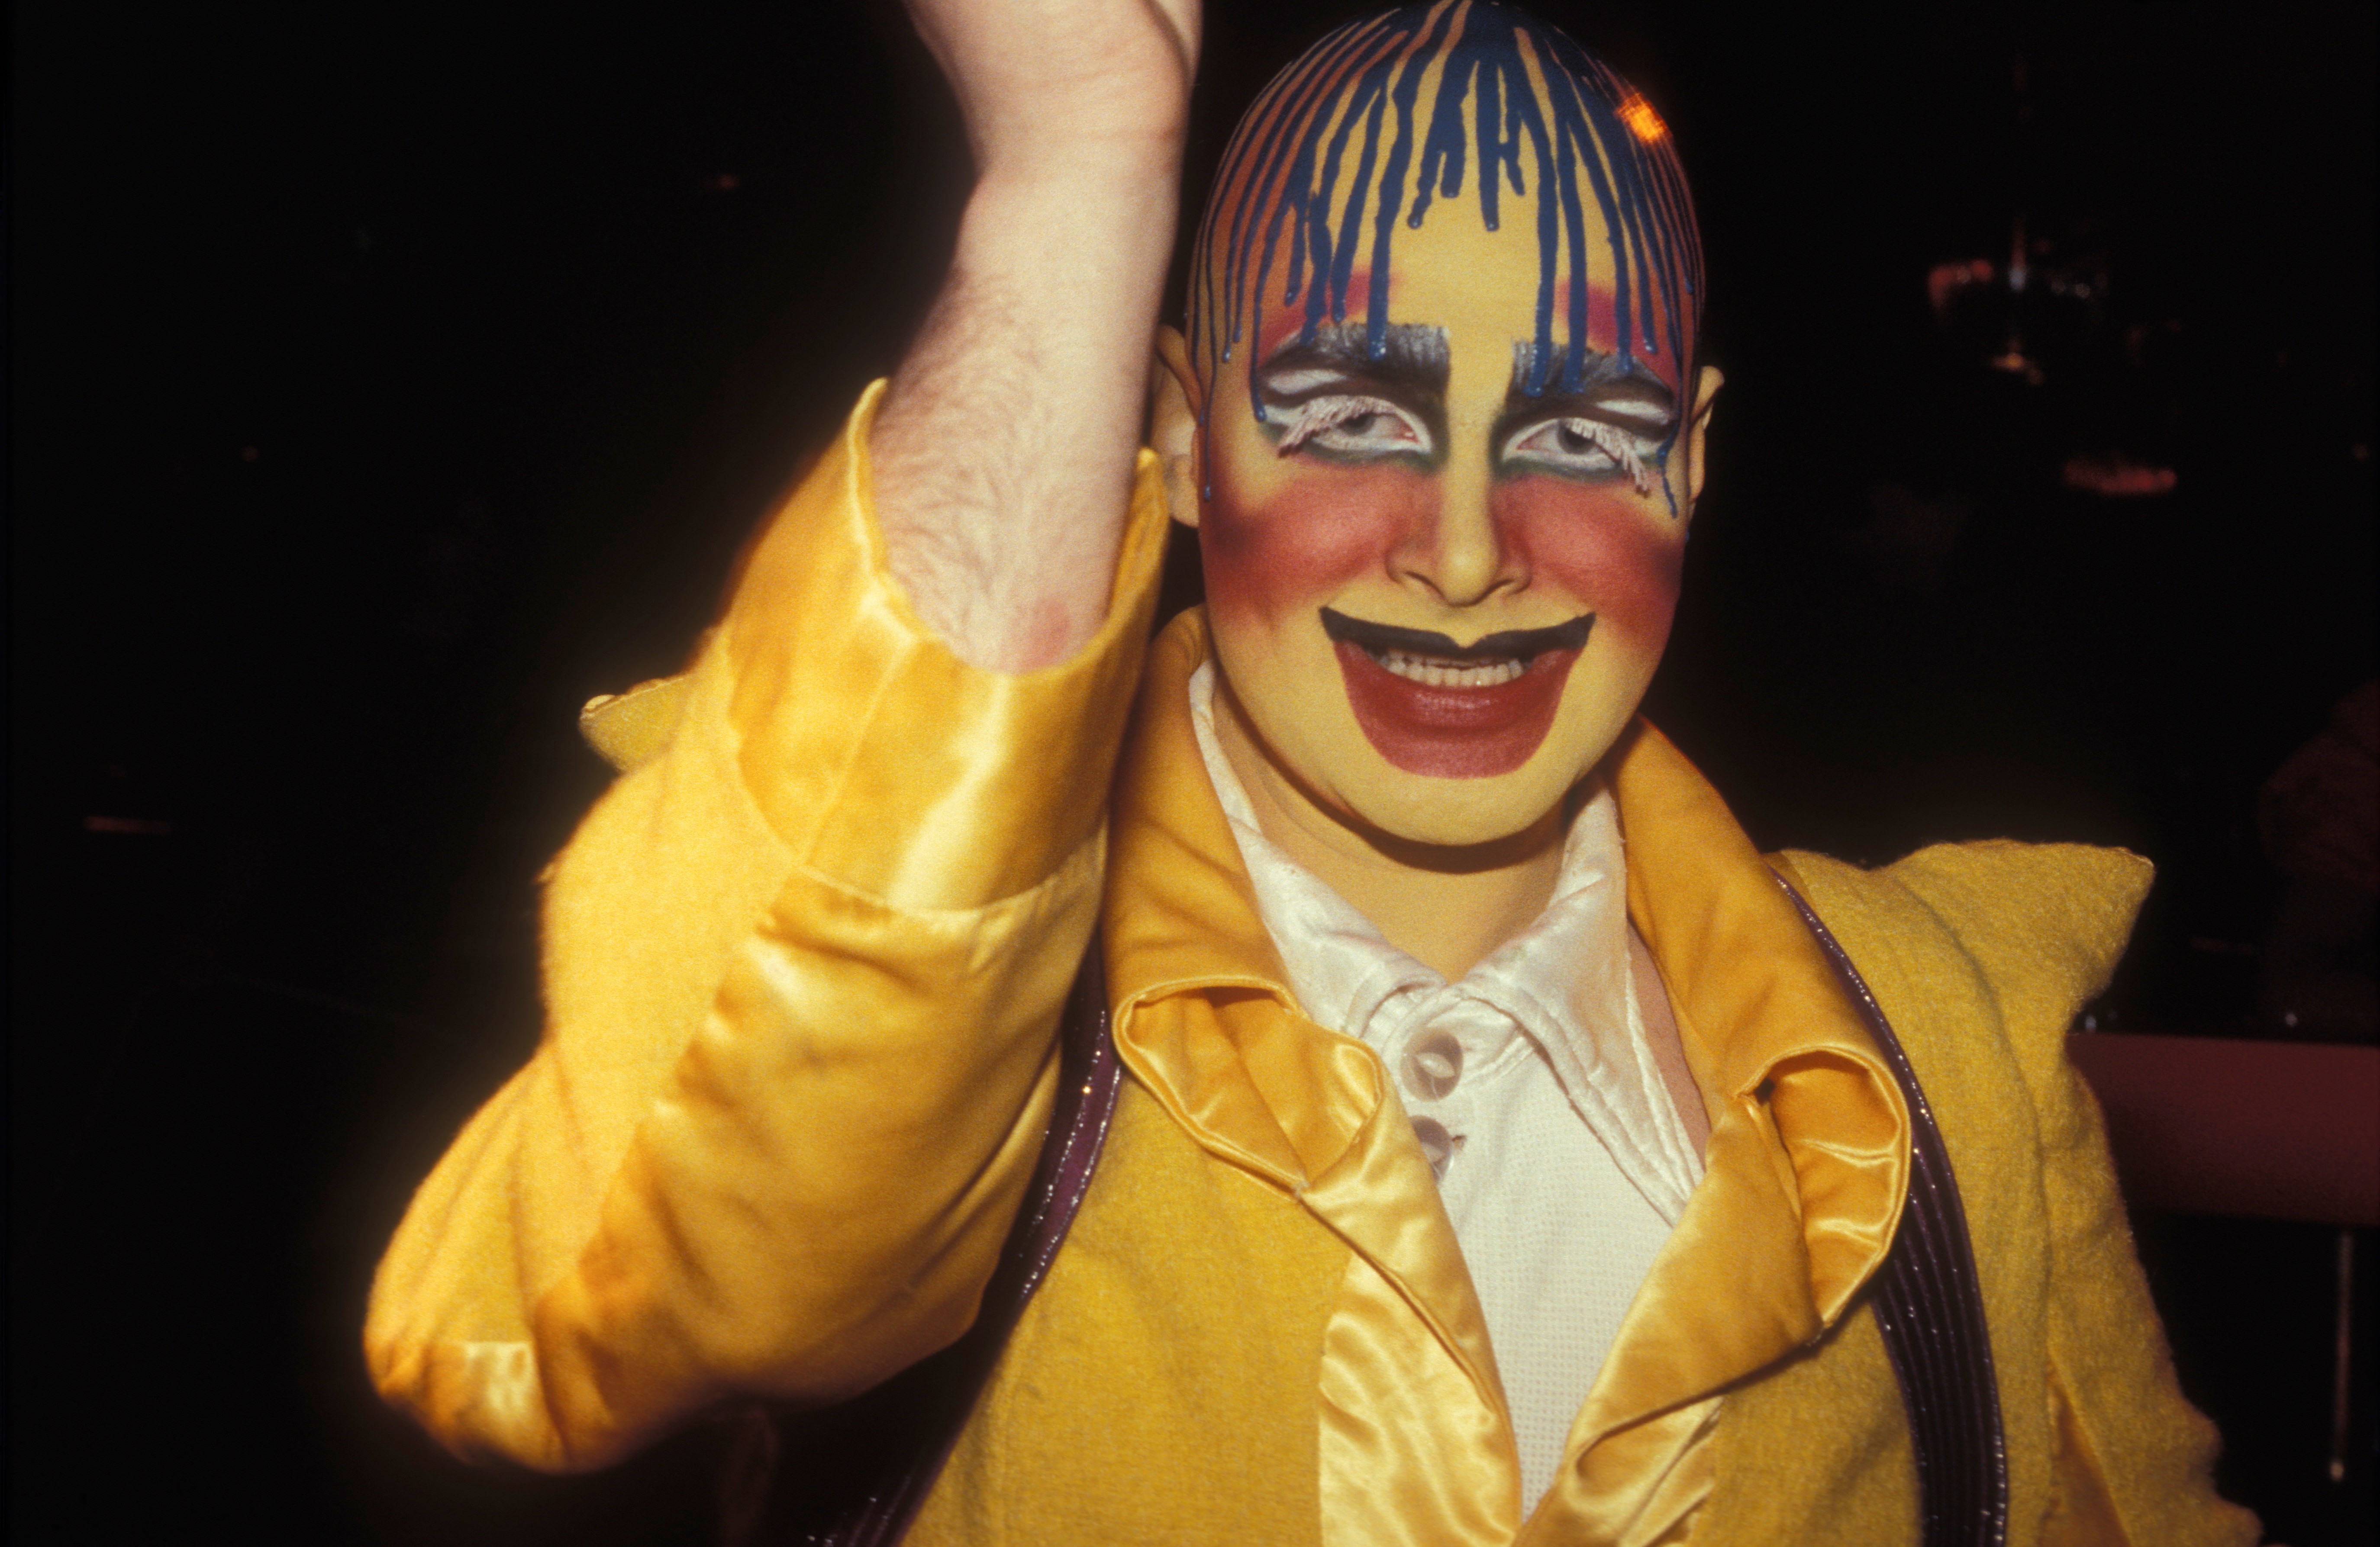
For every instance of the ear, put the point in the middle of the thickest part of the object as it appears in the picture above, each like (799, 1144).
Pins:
(1707, 385)
(1173, 403)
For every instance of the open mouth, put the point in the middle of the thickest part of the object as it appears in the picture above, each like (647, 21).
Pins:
(1435, 672)
(1429, 705)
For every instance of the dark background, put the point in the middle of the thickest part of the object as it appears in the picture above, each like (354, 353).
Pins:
(385, 380)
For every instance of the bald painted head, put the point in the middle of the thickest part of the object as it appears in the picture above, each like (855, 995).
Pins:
(1437, 419)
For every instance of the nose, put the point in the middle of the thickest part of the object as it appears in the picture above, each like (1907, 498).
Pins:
(1459, 552)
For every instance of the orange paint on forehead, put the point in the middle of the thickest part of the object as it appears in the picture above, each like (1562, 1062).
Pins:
(1285, 323)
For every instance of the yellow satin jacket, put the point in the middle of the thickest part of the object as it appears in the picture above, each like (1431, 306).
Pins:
(802, 967)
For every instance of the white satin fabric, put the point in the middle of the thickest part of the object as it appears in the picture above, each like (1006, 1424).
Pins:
(1531, 1086)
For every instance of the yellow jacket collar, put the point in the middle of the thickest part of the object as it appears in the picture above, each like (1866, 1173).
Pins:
(1809, 1148)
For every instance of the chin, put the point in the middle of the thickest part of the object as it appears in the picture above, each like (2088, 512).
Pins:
(1453, 825)
(1458, 813)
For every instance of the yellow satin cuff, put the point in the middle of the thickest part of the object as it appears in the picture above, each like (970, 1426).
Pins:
(851, 709)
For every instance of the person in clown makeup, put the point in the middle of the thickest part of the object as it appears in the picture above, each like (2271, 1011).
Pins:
(1502, 1149)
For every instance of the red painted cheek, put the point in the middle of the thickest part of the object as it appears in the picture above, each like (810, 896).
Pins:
(1619, 558)
(1272, 554)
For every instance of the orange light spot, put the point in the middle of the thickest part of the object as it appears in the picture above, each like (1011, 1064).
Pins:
(1642, 121)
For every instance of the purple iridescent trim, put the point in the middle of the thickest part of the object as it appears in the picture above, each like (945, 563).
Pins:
(1928, 1301)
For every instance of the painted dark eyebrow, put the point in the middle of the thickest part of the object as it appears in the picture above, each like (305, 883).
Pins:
(1413, 355)
(1604, 380)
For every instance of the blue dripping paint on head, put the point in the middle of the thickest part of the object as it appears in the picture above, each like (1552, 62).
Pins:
(1280, 194)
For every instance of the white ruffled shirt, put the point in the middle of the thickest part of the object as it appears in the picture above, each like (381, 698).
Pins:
(1532, 1086)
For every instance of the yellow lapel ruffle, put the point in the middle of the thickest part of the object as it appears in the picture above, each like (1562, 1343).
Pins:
(1806, 1166)
(1206, 1021)
(1804, 1172)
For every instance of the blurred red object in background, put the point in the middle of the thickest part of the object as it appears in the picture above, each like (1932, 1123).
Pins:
(2272, 1130)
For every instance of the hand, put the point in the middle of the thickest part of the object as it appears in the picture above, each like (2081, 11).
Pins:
(1051, 85)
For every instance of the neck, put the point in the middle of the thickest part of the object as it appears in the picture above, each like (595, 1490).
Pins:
(1448, 909)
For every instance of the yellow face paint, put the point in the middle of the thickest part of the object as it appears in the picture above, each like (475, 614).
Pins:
(1443, 323)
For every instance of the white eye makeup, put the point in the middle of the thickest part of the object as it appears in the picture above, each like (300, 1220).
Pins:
(1355, 424)
(1583, 447)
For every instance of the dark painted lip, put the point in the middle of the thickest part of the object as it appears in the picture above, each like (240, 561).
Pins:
(1524, 644)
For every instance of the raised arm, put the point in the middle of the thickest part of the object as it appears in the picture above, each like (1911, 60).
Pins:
(1004, 447)
(803, 962)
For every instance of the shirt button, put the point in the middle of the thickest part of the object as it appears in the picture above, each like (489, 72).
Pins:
(1432, 1065)
(1438, 1146)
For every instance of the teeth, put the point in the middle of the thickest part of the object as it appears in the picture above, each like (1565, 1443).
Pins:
(1434, 672)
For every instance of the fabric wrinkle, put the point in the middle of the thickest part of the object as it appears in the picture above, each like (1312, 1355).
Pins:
(1558, 1154)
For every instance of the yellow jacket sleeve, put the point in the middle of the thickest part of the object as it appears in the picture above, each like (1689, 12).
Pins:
(802, 967)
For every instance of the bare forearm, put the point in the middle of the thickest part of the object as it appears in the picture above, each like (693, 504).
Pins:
(1003, 452)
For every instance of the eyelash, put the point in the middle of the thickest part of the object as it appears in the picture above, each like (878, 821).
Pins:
(1317, 415)
(1613, 441)
(1320, 415)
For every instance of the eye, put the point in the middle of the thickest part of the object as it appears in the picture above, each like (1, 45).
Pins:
(1355, 424)
(1584, 447)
